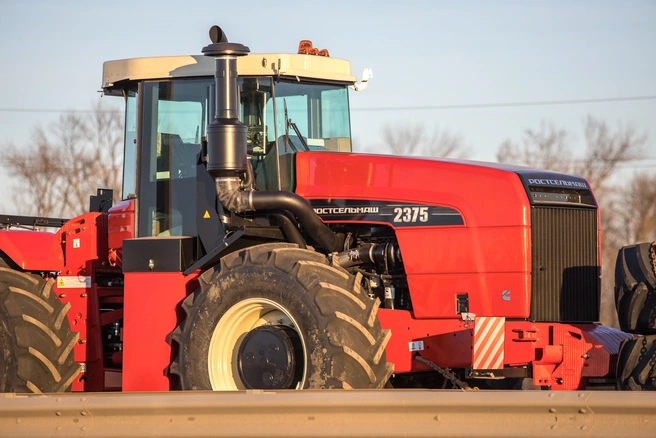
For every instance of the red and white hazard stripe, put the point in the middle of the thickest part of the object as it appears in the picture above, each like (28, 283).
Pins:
(489, 337)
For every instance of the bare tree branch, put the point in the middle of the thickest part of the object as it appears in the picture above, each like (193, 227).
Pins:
(630, 214)
(403, 140)
(36, 166)
(61, 167)
(409, 140)
(445, 144)
(551, 148)
(546, 148)
(607, 150)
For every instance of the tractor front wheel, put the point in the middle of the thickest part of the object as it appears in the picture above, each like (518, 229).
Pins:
(278, 317)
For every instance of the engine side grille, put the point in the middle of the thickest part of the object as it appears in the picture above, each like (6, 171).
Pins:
(565, 264)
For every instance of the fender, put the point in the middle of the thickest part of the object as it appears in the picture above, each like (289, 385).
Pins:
(33, 250)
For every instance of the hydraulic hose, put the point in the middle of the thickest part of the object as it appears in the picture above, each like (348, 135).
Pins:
(249, 177)
(289, 229)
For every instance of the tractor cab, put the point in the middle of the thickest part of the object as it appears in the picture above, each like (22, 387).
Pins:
(289, 103)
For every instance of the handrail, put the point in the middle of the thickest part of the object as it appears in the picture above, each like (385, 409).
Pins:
(8, 221)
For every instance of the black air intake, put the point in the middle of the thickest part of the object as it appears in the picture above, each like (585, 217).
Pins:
(227, 151)
(226, 135)
(565, 255)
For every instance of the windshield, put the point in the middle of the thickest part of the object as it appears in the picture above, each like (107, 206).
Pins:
(319, 113)
(282, 119)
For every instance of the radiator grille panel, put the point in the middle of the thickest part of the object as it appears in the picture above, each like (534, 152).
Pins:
(565, 264)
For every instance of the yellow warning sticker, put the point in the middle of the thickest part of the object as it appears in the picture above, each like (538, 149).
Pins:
(206, 215)
(74, 282)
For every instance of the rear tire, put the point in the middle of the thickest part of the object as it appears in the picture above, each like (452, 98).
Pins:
(335, 338)
(636, 364)
(36, 340)
(635, 288)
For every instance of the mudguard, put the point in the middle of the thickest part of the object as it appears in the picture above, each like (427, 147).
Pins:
(33, 250)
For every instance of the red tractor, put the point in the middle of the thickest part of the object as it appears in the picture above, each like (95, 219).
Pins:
(252, 249)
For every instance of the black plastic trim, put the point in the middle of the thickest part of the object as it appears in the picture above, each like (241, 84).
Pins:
(32, 221)
(212, 256)
(399, 214)
(158, 254)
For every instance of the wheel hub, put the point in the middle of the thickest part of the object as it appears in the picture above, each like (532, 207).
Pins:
(271, 357)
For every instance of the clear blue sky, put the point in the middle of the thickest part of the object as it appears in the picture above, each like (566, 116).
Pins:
(423, 53)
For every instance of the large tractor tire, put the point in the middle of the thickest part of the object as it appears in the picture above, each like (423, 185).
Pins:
(278, 317)
(636, 364)
(36, 341)
(635, 288)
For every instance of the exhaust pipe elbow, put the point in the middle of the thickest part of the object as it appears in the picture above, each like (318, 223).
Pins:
(239, 201)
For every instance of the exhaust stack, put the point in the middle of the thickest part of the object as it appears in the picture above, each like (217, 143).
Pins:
(226, 135)
(227, 151)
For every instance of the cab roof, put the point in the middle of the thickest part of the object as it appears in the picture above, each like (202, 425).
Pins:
(263, 64)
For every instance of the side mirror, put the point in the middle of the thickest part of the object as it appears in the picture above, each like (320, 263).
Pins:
(367, 74)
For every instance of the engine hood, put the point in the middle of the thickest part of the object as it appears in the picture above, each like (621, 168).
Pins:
(484, 194)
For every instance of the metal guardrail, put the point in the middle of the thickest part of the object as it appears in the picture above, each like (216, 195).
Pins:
(384, 413)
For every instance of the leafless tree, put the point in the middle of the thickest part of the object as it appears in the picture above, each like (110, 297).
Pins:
(63, 165)
(36, 167)
(106, 137)
(403, 140)
(606, 150)
(546, 148)
(632, 212)
(409, 140)
(628, 216)
(445, 144)
(552, 148)
(627, 210)
(640, 210)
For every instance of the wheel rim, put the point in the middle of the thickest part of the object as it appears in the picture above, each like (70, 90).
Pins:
(230, 332)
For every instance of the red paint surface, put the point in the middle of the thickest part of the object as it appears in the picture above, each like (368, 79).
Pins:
(562, 355)
(447, 341)
(152, 311)
(33, 250)
(84, 243)
(120, 227)
(490, 253)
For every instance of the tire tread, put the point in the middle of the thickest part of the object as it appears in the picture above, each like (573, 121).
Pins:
(636, 364)
(635, 288)
(346, 310)
(35, 336)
